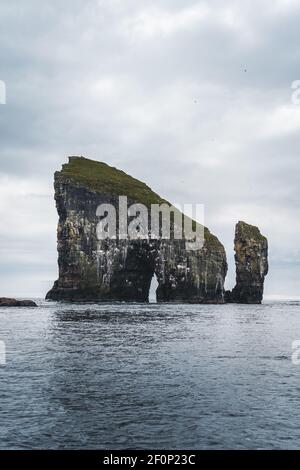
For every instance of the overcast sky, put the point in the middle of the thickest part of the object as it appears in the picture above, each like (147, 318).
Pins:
(192, 97)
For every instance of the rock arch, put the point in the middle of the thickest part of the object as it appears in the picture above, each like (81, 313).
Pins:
(117, 269)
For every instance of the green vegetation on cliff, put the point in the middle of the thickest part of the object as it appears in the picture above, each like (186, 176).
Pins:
(249, 232)
(100, 177)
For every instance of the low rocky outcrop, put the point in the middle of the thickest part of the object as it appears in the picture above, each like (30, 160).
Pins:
(121, 269)
(6, 302)
(251, 260)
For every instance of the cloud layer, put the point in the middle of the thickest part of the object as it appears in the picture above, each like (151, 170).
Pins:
(192, 97)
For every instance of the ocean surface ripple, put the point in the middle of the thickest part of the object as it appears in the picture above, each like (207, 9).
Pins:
(132, 376)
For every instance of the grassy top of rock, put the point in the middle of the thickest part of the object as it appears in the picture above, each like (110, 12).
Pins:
(248, 231)
(100, 177)
(103, 178)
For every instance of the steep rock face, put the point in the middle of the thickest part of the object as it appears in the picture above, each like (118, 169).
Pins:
(115, 269)
(251, 259)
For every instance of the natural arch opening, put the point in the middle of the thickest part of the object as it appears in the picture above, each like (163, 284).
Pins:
(132, 281)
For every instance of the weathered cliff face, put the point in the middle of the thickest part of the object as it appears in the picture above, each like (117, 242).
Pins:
(251, 259)
(115, 269)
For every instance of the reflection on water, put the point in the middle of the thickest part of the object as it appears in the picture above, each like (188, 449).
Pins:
(125, 376)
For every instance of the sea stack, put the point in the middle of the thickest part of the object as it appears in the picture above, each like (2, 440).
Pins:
(251, 260)
(117, 269)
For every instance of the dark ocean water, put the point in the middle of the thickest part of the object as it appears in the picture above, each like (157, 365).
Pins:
(150, 376)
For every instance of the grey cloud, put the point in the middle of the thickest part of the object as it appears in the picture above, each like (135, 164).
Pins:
(200, 90)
